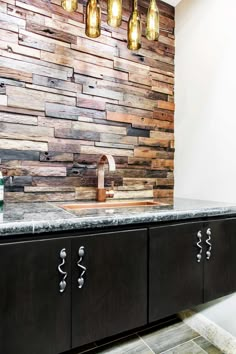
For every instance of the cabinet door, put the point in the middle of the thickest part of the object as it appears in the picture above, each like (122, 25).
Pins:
(176, 278)
(113, 298)
(35, 316)
(220, 268)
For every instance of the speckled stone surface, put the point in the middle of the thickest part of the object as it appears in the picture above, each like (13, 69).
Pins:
(35, 218)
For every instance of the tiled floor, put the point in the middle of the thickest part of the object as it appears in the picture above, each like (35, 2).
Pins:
(170, 338)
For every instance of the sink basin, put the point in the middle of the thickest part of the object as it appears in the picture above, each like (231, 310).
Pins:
(106, 205)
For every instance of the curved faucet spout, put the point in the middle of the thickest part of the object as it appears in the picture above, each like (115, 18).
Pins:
(101, 195)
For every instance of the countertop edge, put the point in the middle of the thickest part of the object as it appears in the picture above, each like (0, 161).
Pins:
(99, 222)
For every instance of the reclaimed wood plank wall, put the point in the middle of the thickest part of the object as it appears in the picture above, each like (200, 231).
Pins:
(65, 99)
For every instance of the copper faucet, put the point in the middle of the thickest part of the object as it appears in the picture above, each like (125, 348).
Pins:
(102, 193)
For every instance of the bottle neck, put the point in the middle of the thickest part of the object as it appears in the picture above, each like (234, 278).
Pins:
(135, 5)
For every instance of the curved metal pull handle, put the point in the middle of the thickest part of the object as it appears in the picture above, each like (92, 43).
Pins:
(199, 255)
(208, 252)
(62, 284)
(81, 280)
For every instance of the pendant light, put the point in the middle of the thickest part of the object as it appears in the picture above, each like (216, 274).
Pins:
(134, 28)
(114, 13)
(93, 19)
(152, 28)
(69, 5)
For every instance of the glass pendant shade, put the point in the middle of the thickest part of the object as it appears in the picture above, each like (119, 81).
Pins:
(69, 5)
(93, 19)
(152, 29)
(114, 13)
(134, 29)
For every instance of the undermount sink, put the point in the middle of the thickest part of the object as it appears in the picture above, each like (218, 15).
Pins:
(106, 205)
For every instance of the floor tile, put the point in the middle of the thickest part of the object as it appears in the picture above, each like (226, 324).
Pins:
(129, 345)
(169, 337)
(186, 348)
(207, 346)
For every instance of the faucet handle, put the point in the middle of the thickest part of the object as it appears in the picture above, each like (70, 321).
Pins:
(110, 192)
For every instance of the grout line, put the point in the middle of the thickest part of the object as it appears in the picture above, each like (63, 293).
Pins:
(201, 347)
(176, 346)
(145, 344)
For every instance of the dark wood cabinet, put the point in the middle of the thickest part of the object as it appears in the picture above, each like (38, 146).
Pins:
(220, 268)
(35, 316)
(175, 276)
(116, 281)
(113, 298)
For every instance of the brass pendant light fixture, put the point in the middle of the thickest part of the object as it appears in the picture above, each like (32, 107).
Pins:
(93, 19)
(152, 29)
(114, 13)
(134, 28)
(114, 19)
(69, 5)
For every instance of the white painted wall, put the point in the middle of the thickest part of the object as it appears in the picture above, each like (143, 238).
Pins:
(205, 120)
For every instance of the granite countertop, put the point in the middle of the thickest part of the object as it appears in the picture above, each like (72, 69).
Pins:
(35, 218)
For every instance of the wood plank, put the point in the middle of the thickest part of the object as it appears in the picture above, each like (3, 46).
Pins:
(153, 142)
(162, 87)
(163, 193)
(15, 74)
(8, 36)
(55, 83)
(141, 122)
(3, 100)
(87, 101)
(163, 164)
(129, 110)
(30, 189)
(114, 145)
(21, 111)
(162, 135)
(38, 197)
(42, 7)
(163, 115)
(141, 79)
(163, 78)
(139, 194)
(19, 155)
(117, 138)
(23, 145)
(25, 132)
(37, 171)
(128, 66)
(76, 134)
(69, 112)
(88, 46)
(53, 122)
(100, 150)
(89, 69)
(100, 128)
(33, 99)
(33, 68)
(51, 33)
(166, 105)
(56, 156)
(15, 48)
(18, 118)
(52, 90)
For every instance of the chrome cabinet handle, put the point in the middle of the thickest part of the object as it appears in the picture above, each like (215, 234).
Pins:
(199, 255)
(81, 280)
(208, 252)
(62, 284)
